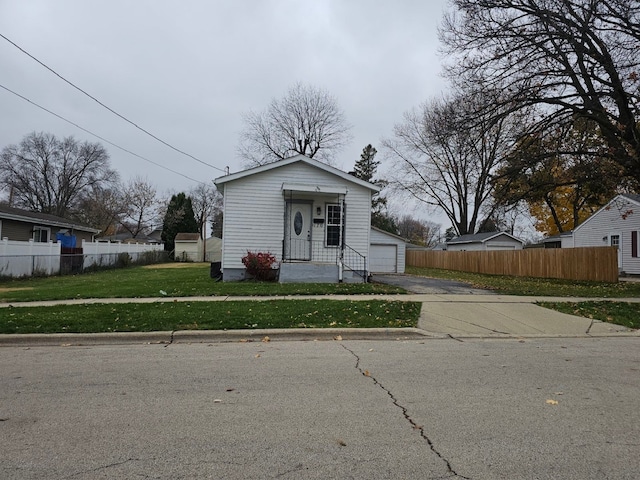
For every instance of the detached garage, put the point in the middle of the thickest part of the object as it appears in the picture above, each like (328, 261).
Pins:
(386, 253)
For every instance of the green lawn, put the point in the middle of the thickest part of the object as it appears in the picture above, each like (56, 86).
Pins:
(535, 286)
(169, 316)
(620, 313)
(175, 280)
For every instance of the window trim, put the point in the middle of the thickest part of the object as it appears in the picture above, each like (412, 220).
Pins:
(41, 228)
(334, 225)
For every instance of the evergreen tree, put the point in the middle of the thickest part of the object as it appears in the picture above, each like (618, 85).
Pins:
(365, 169)
(178, 219)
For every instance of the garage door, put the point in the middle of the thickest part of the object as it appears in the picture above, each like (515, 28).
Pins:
(383, 259)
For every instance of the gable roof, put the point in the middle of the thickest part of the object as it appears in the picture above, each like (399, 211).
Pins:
(633, 198)
(480, 238)
(557, 237)
(46, 219)
(295, 159)
(187, 237)
(384, 232)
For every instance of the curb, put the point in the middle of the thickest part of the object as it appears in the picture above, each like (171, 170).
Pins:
(210, 336)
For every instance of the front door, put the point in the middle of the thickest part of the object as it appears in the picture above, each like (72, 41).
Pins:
(297, 231)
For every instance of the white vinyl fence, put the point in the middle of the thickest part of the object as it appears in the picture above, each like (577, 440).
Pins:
(100, 254)
(26, 259)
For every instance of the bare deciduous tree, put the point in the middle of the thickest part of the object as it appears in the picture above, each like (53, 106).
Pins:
(45, 174)
(140, 204)
(306, 121)
(206, 202)
(570, 58)
(446, 162)
(418, 232)
(101, 208)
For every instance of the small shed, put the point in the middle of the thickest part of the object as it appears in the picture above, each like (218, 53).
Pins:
(485, 241)
(188, 247)
(387, 252)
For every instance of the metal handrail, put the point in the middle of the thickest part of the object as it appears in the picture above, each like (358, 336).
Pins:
(355, 261)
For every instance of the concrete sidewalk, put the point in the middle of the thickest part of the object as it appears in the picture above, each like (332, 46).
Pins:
(442, 316)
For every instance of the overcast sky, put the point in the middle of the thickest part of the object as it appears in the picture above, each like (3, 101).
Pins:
(187, 70)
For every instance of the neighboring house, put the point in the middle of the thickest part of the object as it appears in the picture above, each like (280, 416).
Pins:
(23, 225)
(155, 236)
(315, 219)
(189, 247)
(562, 240)
(387, 252)
(485, 241)
(617, 224)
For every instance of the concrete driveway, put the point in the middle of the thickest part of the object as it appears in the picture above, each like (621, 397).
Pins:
(459, 310)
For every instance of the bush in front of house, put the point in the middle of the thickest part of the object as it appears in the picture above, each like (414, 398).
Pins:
(260, 265)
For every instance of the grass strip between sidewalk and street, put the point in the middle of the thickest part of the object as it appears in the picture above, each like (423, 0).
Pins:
(169, 316)
(620, 313)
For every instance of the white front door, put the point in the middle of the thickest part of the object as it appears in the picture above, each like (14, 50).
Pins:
(297, 231)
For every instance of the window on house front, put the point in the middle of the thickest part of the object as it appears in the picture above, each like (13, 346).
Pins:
(41, 234)
(333, 225)
(615, 241)
(634, 244)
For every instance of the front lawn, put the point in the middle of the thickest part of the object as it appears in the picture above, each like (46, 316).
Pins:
(173, 280)
(227, 315)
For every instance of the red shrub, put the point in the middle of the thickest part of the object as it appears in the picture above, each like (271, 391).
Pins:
(260, 265)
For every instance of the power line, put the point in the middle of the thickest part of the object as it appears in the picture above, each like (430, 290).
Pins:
(98, 136)
(108, 108)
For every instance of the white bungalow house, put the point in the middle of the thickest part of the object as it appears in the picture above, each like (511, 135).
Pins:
(315, 219)
(485, 241)
(617, 224)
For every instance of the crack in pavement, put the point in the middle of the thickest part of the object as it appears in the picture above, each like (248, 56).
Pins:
(405, 413)
(173, 332)
(102, 467)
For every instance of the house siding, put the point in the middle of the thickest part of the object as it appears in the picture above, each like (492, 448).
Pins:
(619, 217)
(18, 231)
(254, 211)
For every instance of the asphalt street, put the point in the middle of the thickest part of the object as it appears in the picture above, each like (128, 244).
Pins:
(534, 408)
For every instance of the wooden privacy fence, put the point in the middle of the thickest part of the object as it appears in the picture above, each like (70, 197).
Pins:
(588, 263)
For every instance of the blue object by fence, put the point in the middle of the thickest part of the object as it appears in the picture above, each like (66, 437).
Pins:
(68, 241)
